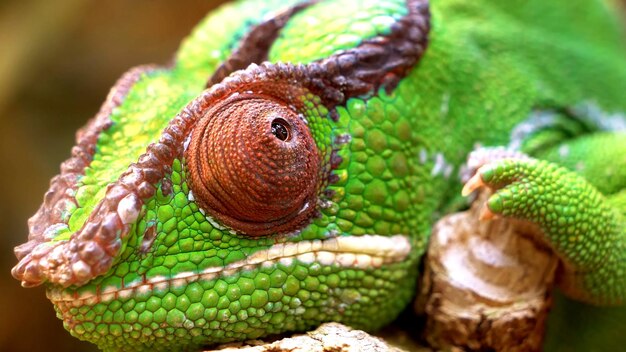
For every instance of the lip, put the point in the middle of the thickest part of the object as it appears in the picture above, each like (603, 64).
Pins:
(359, 252)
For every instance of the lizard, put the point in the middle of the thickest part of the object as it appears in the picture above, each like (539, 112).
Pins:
(286, 169)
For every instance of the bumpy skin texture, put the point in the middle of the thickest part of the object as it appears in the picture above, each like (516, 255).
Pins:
(579, 223)
(132, 261)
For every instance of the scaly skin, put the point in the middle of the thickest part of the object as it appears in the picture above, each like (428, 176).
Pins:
(579, 223)
(136, 258)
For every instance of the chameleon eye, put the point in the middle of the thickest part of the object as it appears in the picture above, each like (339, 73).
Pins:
(280, 129)
(254, 166)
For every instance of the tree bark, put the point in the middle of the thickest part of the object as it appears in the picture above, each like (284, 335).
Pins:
(486, 284)
(329, 337)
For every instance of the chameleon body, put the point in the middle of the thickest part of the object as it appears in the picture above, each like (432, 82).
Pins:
(303, 190)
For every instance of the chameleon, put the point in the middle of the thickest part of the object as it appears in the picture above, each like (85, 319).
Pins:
(286, 168)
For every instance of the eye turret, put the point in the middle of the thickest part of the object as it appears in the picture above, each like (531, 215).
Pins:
(254, 165)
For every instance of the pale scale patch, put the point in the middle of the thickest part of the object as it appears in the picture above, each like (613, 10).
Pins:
(248, 267)
(258, 257)
(106, 297)
(363, 261)
(325, 258)
(304, 246)
(186, 143)
(367, 251)
(290, 249)
(345, 259)
(128, 209)
(81, 269)
(212, 270)
(188, 324)
(160, 283)
(316, 245)
(214, 223)
(125, 293)
(133, 284)
(92, 300)
(275, 252)
(178, 282)
(306, 258)
(230, 272)
(144, 289)
(286, 261)
(109, 290)
(331, 244)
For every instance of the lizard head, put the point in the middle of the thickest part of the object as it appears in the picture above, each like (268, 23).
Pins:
(259, 198)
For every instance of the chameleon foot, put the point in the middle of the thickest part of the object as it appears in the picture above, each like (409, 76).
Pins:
(578, 222)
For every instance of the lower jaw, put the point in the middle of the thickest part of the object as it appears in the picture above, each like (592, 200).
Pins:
(260, 300)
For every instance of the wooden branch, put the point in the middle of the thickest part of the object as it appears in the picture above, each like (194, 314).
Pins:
(328, 337)
(486, 285)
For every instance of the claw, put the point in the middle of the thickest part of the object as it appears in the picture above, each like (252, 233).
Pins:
(486, 214)
(472, 184)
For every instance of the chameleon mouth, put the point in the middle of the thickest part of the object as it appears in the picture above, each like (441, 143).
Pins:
(359, 252)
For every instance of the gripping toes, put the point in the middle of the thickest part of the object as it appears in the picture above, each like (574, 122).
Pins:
(533, 190)
(578, 222)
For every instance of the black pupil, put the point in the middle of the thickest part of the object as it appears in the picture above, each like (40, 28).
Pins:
(280, 130)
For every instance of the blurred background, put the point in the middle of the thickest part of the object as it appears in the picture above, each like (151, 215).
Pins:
(58, 60)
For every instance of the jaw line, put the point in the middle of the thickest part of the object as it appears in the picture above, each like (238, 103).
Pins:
(357, 252)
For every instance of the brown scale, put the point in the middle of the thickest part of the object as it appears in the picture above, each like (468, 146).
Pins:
(254, 165)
